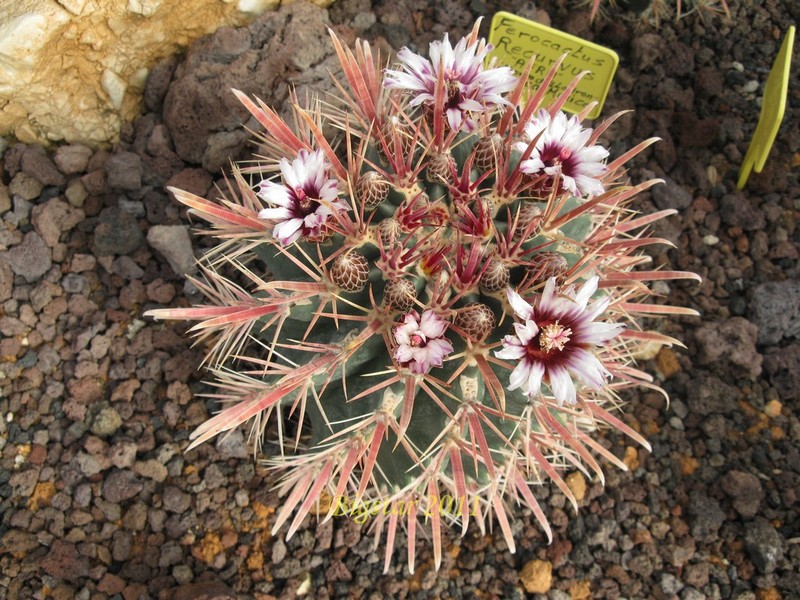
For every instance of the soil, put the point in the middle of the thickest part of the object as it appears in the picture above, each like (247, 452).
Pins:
(99, 500)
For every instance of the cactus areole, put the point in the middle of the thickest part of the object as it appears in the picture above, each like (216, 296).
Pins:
(435, 307)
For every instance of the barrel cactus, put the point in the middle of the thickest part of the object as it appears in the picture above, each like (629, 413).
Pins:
(431, 286)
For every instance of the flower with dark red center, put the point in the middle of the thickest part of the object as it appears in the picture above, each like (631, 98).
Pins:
(421, 344)
(304, 203)
(469, 88)
(561, 153)
(554, 341)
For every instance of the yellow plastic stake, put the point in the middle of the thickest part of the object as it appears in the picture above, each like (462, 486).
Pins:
(516, 39)
(773, 105)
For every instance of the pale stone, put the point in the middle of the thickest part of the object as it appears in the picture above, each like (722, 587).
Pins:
(113, 86)
(139, 78)
(74, 70)
(73, 6)
(145, 8)
(257, 6)
(22, 37)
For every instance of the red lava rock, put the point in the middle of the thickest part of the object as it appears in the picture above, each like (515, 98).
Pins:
(132, 295)
(203, 590)
(179, 392)
(648, 50)
(195, 181)
(85, 391)
(82, 262)
(134, 591)
(125, 390)
(38, 454)
(30, 259)
(36, 163)
(10, 348)
(111, 584)
(65, 562)
(6, 280)
(95, 182)
(72, 159)
(160, 291)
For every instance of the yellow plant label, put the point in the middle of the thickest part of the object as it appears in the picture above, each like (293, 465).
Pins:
(773, 105)
(516, 40)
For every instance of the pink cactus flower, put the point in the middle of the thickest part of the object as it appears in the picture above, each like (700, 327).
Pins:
(304, 203)
(561, 152)
(470, 88)
(554, 341)
(421, 341)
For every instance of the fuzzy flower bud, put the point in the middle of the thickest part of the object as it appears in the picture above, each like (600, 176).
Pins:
(400, 294)
(545, 265)
(372, 189)
(486, 151)
(350, 271)
(495, 278)
(441, 168)
(476, 320)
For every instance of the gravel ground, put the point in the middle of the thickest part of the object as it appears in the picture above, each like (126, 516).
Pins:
(98, 498)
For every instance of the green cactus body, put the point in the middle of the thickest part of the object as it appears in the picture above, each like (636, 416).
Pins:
(391, 275)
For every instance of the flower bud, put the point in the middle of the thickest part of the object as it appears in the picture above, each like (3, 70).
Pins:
(476, 320)
(394, 126)
(372, 189)
(350, 271)
(399, 294)
(390, 230)
(441, 168)
(529, 220)
(486, 151)
(495, 278)
(544, 265)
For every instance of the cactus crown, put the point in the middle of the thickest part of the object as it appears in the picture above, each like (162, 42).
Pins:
(442, 296)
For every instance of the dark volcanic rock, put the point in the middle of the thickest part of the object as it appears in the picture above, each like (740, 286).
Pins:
(776, 311)
(706, 516)
(204, 590)
(158, 82)
(200, 111)
(764, 545)
(746, 491)
(783, 367)
(117, 233)
(670, 195)
(733, 340)
(120, 486)
(712, 395)
(124, 171)
(737, 210)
